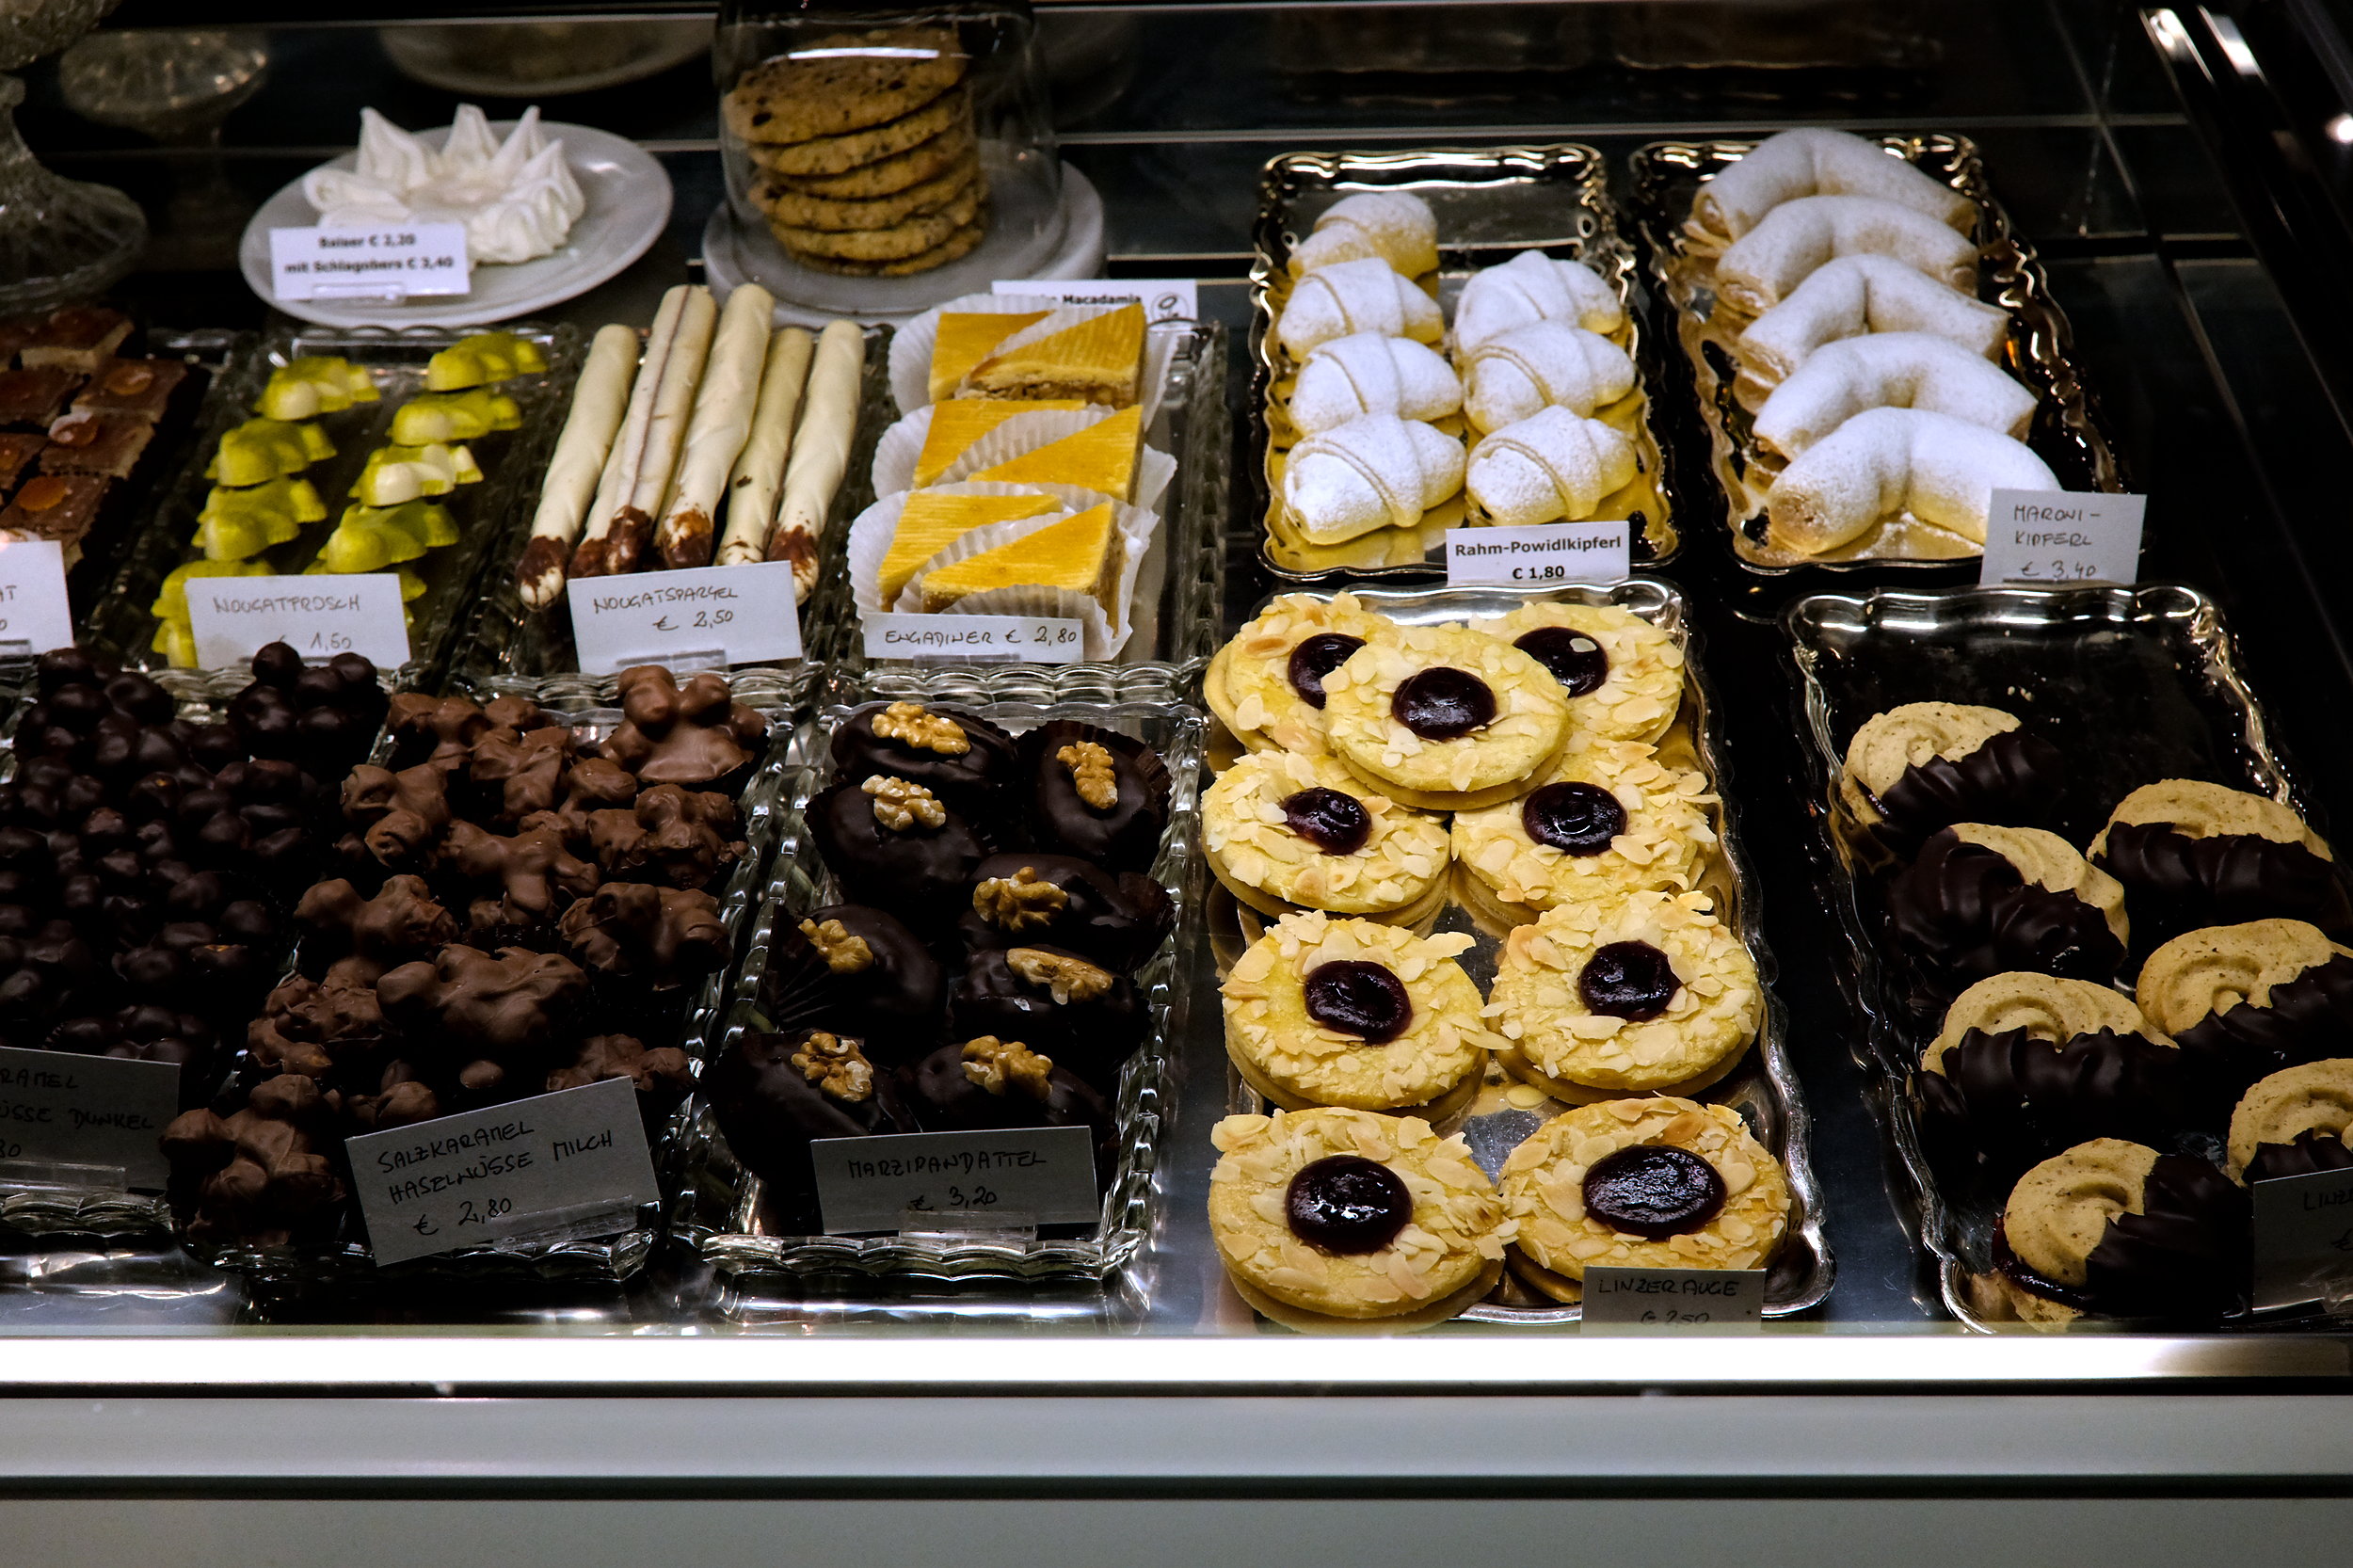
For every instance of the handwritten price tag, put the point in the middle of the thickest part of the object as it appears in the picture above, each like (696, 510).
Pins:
(33, 617)
(1006, 639)
(318, 616)
(1550, 553)
(2304, 1238)
(2055, 536)
(704, 617)
(94, 1114)
(1018, 1177)
(398, 262)
(1673, 1298)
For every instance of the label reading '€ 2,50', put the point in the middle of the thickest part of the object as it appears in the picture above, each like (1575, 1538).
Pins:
(1543, 556)
(398, 262)
(2061, 536)
(1673, 1298)
(1006, 639)
(318, 616)
(703, 617)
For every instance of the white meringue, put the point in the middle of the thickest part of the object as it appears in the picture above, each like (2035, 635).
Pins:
(517, 199)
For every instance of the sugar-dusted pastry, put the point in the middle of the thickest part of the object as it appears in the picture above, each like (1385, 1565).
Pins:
(1624, 675)
(1551, 466)
(1854, 295)
(2245, 1000)
(1644, 994)
(1445, 718)
(1285, 830)
(2293, 1122)
(1512, 374)
(1890, 370)
(1981, 899)
(1394, 225)
(1887, 462)
(1532, 287)
(1365, 296)
(1366, 373)
(1267, 684)
(2191, 854)
(1654, 1183)
(1925, 765)
(1088, 352)
(1814, 162)
(1378, 472)
(1347, 1215)
(1356, 1014)
(1757, 270)
(1081, 553)
(2114, 1229)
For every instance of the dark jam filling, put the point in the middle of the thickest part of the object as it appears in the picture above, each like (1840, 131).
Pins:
(1316, 657)
(1575, 659)
(1347, 1205)
(1627, 980)
(1653, 1190)
(1333, 821)
(1575, 819)
(1443, 703)
(1351, 997)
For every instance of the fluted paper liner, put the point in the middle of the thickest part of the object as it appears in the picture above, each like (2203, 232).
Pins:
(897, 451)
(911, 347)
(1102, 637)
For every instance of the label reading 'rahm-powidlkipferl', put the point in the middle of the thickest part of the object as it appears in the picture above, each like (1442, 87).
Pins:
(2304, 1238)
(1017, 1178)
(1005, 639)
(85, 1120)
(570, 1163)
(1673, 1298)
(319, 616)
(2063, 537)
(1543, 556)
(701, 618)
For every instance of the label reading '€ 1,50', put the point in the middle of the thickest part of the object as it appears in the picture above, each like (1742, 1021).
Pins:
(398, 262)
(700, 618)
(318, 616)
(1543, 556)
(99, 1113)
(1673, 1298)
(1012, 1179)
(1007, 639)
(2061, 537)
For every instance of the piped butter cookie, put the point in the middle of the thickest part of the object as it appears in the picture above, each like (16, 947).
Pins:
(2192, 854)
(1624, 676)
(1267, 684)
(2295, 1123)
(1925, 765)
(1981, 900)
(1445, 718)
(2245, 1000)
(1288, 831)
(2115, 1229)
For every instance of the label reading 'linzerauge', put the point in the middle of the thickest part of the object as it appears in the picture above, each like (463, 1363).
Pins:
(1005, 639)
(1673, 1298)
(2304, 1238)
(699, 617)
(2061, 536)
(1016, 1179)
(1543, 556)
(319, 616)
(98, 1114)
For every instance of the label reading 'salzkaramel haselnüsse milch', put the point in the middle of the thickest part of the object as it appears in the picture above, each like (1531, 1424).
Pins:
(98, 1117)
(1014, 1179)
(1673, 1298)
(2055, 537)
(1546, 555)
(2304, 1238)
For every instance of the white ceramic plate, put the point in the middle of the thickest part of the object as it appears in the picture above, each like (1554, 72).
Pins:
(628, 202)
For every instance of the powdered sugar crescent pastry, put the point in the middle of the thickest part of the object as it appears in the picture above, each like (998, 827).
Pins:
(1364, 296)
(1884, 461)
(1855, 295)
(1543, 364)
(1890, 370)
(1379, 471)
(1532, 287)
(1550, 465)
(1757, 270)
(1366, 373)
(1396, 226)
(1815, 162)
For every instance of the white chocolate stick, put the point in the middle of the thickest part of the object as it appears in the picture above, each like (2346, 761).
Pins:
(665, 432)
(715, 436)
(598, 401)
(629, 448)
(760, 472)
(821, 451)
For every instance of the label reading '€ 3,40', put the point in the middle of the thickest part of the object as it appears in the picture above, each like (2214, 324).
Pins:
(399, 262)
(2063, 537)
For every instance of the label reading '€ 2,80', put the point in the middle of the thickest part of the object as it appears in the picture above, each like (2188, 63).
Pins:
(318, 616)
(1543, 556)
(398, 262)
(2061, 536)
(702, 617)
(1006, 639)
(1673, 1298)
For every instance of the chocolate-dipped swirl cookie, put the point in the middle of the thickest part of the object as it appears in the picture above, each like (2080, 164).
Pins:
(2192, 854)
(1982, 899)
(2116, 1229)
(2245, 1000)
(2295, 1123)
(1925, 765)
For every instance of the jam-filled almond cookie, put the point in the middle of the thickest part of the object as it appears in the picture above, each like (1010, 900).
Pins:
(1649, 993)
(1347, 1215)
(1289, 831)
(1445, 718)
(1653, 1183)
(1981, 900)
(1613, 817)
(2027, 1065)
(1925, 765)
(2115, 1229)
(1624, 675)
(2191, 854)
(2243, 1001)
(1358, 1014)
(1267, 684)
(2295, 1123)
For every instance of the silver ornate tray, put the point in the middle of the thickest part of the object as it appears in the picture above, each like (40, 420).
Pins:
(1763, 1088)
(2066, 432)
(1492, 203)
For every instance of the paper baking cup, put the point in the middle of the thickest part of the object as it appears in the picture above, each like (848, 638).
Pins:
(1100, 637)
(870, 530)
(900, 446)
(911, 347)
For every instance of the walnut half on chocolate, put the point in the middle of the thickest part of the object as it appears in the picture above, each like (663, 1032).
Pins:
(1022, 901)
(916, 725)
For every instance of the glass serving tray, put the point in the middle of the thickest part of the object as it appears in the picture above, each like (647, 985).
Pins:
(2066, 432)
(1763, 1087)
(1492, 203)
(2145, 682)
(717, 1208)
(123, 626)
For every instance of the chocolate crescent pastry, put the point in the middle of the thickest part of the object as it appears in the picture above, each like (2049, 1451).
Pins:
(1925, 765)
(773, 1094)
(2191, 854)
(2245, 1000)
(965, 761)
(1024, 900)
(1094, 792)
(1982, 899)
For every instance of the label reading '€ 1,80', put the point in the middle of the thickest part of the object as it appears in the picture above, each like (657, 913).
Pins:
(1543, 556)
(1018, 1177)
(2061, 536)
(398, 262)
(1673, 1298)
(63, 1108)
(702, 617)
(1008, 639)
(318, 616)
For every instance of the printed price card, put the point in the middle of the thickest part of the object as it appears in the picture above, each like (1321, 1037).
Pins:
(2304, 1238)
(1021, 1176)
(318, 616)
(34, 615)
(1007, 639)
(1550, 553)
(2051, 536)
(399, 262)
(96, 1115)
(706, 617)
(1673, 1298)
(574, 1163)
(1164, 299)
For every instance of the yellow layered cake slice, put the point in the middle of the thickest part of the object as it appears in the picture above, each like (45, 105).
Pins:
(967, 337)
(1098, 357)
(1081, 553)
(933, 521)
(959, 422)
(1102, 457)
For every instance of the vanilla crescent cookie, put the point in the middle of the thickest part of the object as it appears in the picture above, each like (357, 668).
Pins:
(1444, 718)
(2245, 1000)
(1925, 765)
(2116, 1229)
(1267, 684)
(1356, 1014)
(1347, 1215)
(2293, 1122)
(1287, 830)
(1648, 994)
(1624, 675)
(1656, 1183)
(2192, 854)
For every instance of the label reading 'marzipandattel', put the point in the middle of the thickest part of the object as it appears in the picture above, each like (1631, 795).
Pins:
(2060, 536)
(58, 1108)
(318, 616)
(1673, 1298)
(1550, 553)
(1017, 639)
(398, 262)
(1024, 1177)
(2304, 1238)
(702, 616)
(573, 1161)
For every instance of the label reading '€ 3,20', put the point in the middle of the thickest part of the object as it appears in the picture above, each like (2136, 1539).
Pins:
(1673, 1298)
(1018, 1178)
(1544, 556)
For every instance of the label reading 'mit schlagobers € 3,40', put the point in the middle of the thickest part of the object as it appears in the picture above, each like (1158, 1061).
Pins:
(1543, 556)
